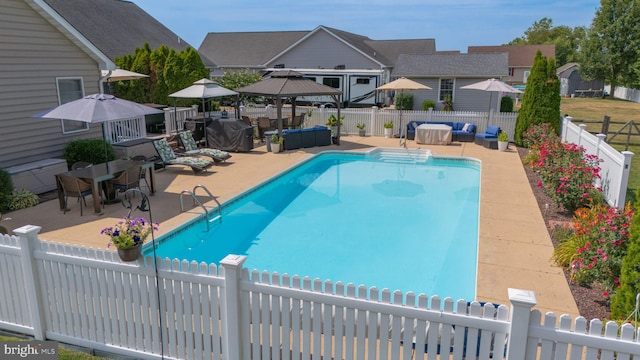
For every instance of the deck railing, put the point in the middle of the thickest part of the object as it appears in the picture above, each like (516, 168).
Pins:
(188, 310)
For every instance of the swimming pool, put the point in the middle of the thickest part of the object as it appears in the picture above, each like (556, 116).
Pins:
(390, 222)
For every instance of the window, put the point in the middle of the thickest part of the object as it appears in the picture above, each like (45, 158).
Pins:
(333, 82)
(526, 75)
(70, 89)
(446, 88)
(512, 71)
(362, 81)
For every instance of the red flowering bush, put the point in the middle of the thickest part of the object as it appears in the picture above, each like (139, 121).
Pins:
(567, 173)
(604, 231)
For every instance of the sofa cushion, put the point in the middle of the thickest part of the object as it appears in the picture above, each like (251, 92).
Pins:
(492, 130)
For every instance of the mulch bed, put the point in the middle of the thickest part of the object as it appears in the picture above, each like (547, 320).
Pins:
(591, 303)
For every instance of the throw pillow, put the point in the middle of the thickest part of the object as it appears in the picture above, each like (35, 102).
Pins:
(466, 127)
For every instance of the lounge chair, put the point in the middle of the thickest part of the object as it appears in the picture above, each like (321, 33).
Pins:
(190, 148)
(168, 157)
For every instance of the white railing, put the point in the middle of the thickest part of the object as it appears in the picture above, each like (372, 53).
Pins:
(174, 117)
(374, 118)
(184, 310)
(123, 130)
(614, 167)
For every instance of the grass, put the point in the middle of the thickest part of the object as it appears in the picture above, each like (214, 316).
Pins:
(618, 111)
(63, 353)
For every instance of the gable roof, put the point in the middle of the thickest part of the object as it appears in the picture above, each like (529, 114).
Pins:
(115, 27)
(568, 68)
(256, 49)
(247, 49)
(460, 65)
(519, 55)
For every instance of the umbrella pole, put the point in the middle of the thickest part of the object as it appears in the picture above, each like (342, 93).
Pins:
(106, 151)
(204, 125)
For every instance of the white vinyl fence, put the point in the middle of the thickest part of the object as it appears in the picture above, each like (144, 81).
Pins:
(185, 310)
(614, 167)
(374, 118)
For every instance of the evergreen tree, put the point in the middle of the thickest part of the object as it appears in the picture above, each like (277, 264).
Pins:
(623, 302)
(541, 99)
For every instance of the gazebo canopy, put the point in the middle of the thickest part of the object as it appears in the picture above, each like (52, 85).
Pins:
(290, 84)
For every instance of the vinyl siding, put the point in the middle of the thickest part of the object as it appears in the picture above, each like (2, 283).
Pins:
(33, 55)
(463, 99)
(323, 51)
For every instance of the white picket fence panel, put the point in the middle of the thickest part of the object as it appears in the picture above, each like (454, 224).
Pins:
(374, 118)
(87, 297)
(614, 167)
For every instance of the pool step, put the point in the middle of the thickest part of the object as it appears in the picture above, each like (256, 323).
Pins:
(401, 155)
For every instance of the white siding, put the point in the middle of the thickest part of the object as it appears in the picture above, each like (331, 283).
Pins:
(34, 53)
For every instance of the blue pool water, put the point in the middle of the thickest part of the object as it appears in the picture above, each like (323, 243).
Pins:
(352, 218)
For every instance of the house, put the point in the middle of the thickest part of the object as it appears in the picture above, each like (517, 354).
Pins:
(520, 59)
(333, 57)
(53, 52)
(572, 83)
(445, 74)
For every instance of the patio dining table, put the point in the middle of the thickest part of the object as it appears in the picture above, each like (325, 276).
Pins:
(98, 173)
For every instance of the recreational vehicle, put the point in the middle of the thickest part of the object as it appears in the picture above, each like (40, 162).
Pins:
(358, 86)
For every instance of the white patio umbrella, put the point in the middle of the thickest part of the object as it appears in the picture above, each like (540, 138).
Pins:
(121, 75)
(98, 108)
(402, 84)
(492, 85)
(202, 89)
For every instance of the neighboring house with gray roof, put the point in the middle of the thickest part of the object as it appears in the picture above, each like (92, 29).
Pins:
(53, 52)
(520, 58)
(353, 63)
(447, 73)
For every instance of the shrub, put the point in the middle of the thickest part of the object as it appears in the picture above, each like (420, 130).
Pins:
(606, 231)
(22, 199)
(6, 188)
(623, 301)
(427, 104)
(90, 150)
(506, 104)
(447, 104)
(404, 101)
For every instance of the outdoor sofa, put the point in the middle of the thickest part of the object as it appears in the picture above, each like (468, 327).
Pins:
(307, 137)
(458, 133)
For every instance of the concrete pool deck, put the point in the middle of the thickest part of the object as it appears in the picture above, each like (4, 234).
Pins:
(514, 248)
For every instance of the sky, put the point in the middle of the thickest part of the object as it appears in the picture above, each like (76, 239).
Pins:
(454, 24)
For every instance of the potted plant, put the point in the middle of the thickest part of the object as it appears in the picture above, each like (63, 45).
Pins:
(503, 141)
(276, 143)
(388, 129)
(128, 236)
(361, 130)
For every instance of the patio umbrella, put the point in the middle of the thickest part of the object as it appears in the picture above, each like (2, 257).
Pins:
(98, 108)
(492, 85)
(402, 84)
(290, 84)
(202, 89)
(121, 75)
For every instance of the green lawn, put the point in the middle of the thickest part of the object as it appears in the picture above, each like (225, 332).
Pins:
(618, 111)
(63, 354)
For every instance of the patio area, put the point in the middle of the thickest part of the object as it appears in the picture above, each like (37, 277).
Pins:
(514, 248)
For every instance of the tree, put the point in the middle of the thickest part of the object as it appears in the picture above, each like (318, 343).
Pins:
(566, 39)
(237, 79)
(168, 70)
(610, 49)
(541, 99)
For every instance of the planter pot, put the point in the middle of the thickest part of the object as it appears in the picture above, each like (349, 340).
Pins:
(131, 254)
(275, 148)
(388, 132)
(362, 132)
(334, 131)
(503, 145)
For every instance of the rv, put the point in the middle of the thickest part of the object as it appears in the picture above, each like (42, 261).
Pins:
(358, 86)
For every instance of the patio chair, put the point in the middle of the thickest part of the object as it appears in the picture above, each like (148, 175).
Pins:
(190, 148)
(74, 187)
(264, 124)
(128, 179)
(168, 157)
(143, 173)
